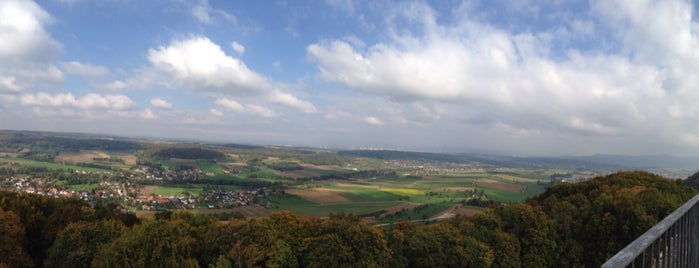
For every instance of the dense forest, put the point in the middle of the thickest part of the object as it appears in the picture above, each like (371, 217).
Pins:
(570, 225)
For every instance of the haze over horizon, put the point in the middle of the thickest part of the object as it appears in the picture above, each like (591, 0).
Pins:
(526, 77)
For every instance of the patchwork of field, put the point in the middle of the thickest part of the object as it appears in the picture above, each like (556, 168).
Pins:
(100, 158)
(406, 198)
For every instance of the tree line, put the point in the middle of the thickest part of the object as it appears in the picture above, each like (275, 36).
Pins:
(570, 225)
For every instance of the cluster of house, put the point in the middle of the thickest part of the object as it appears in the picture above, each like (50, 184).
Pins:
(127, 193)
(149, 173)
(153, 203)
(48, 187)
(226, 199)
(430, 166)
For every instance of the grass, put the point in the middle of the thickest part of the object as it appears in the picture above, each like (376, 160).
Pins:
(177, 190)
(83, 187)
(403, 191)
(504, 196)
(210, 166)
(48, 165)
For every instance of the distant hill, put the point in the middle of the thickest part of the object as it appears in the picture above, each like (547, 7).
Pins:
(641, 162)
(65, 141)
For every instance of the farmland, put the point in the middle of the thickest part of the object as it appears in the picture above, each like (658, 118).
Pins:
(381, 186)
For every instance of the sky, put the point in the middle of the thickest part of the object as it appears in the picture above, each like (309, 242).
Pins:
(523, 77)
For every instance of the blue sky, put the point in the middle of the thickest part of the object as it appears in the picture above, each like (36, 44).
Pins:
(524, 77)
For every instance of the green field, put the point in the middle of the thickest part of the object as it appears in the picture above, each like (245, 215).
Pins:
(48, 165)
(177, 190)
(83, 187)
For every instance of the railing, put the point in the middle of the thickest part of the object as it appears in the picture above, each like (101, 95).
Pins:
(673, 242)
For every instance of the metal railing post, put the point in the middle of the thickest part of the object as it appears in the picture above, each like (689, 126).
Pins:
(673, 242)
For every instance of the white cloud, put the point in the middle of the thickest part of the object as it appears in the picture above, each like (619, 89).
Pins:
(289, 100)
(160, 103)
(27, 50)
(373, 121)
(148, 114)
(84, 69)
(261, 110)
(115, 85)
(230, 104)
(238, 48)
(198, 63)
(215, 112)
(517, 79)
(9, 83)
(247, 108)
(204, 13)
(90, 101)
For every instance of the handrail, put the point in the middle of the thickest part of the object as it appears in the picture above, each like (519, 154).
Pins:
(673, 242)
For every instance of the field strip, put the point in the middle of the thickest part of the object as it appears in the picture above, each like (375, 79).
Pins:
(456, 210)
(488, 183)
(321, 195)
(513, 178)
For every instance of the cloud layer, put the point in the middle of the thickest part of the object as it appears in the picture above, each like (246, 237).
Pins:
(562, 77)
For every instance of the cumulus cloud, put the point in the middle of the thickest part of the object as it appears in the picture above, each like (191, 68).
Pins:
(84, 69)
(90, 101)
(148, 114)
(292, 101)
(115, 85)
(497, 76)
(230, 104)
(204, 13)
(27, 50)
(254, 109)
(373, 121)
(160, 103)
(198, 63)
(238, 48)
(261, 110)
(215, 112)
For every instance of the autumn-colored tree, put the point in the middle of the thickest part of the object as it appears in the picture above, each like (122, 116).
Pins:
(77, 244)
(162, 243)
(11, 239)
(345, 241)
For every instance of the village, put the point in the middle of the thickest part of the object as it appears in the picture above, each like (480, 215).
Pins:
(133, 192)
